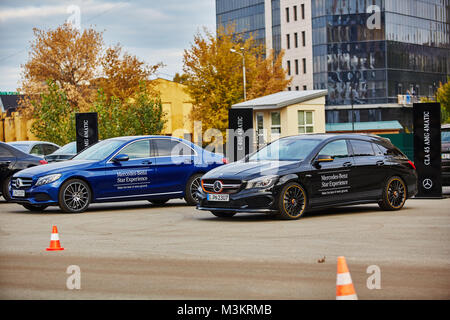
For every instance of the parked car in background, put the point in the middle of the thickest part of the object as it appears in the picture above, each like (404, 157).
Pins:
(445, 142)
(66, 152)
(13, 160)
(35, 148)
(153, 168)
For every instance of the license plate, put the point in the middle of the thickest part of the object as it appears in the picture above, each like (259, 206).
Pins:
(18, 193)
(219, 197)
(446, 156)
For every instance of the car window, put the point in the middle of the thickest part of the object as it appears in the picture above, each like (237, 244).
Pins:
(445, 136)
(5, 152)
(389, 151)
(37, 150)
(70, 148)
(168, 147)
(100, 150)
(137, 150)
(335, 149)
(286, 149)
(49, 149)
(362, 148)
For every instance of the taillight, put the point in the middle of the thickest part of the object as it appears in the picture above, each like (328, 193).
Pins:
(225, 161)
(43, 162)
(412, 164)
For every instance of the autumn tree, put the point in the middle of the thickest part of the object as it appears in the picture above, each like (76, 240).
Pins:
(66, 56)
(214, 79)
(442, 96)
(123, 73)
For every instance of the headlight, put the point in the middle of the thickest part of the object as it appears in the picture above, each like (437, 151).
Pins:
(262, 182)
(47, 179)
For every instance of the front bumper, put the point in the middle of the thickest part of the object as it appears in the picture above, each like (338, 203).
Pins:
(252, 201)
(42, 195)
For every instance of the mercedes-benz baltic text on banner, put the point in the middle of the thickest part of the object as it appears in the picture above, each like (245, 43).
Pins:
(295, 174)
(154, 168)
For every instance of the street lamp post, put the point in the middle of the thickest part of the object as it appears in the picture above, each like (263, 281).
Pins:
(243, 70)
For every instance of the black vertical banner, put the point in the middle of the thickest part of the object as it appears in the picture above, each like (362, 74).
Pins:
(427, 149)
(87, 129)
(241, 134)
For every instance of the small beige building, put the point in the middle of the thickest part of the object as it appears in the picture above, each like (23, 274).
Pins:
(287, 113)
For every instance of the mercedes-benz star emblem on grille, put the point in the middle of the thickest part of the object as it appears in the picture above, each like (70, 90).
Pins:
(218, 186)
(427, 184)
(19, 183)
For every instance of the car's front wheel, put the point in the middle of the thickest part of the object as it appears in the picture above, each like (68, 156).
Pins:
(74, 196)
(5, 188)
(394, 194)
(292, 201)
(192, 186)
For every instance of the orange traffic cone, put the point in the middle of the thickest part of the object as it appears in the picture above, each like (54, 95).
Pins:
(54, 241)
(344, 284)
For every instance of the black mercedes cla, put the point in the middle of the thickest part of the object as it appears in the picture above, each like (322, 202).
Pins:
(299, 173)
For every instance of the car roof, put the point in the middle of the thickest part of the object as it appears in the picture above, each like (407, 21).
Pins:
(329, 136)
(30, 142)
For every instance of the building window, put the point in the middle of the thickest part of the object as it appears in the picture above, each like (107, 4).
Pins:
(303, 11)
(305, 122)
(295, 13)
(296, 39)
(297, 88)
(305, 88)
(296, 66)
(275, 128)
(304, 38)
(289, 67)
(288, 41)
(304, 65)
(289, 88)
(287, 14)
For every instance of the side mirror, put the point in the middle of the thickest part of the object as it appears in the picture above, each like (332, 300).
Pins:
(323, 158)
(121, 158)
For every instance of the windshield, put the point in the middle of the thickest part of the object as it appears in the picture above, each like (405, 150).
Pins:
(445, 136)
(286, 150)
(21, 147)
(70, 148)
(100, 150)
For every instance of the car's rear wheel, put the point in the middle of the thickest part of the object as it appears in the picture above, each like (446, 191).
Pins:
(192, 186)
(5, 189)
(394, 194)
(35, 208)
(74, 196)
(158, 202)
(223, 214)
(292, 201)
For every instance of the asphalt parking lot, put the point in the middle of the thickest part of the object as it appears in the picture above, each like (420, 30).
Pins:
(138, 251)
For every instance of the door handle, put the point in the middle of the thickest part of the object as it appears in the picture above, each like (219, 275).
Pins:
(347, 164)
(147, 162)
(380, 163)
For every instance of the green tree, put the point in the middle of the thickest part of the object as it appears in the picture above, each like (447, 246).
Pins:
(442, 96)
(53, 115)
(140, 115)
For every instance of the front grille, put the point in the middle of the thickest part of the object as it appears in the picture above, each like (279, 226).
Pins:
(21, 183)
(228, 185)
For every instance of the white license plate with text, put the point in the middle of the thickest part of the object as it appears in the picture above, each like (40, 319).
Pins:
(18, 193)
(219, 197)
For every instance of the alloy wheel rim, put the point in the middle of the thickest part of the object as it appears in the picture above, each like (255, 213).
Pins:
(76, 196)
(396, 193)
(294, 201)
(194, 187)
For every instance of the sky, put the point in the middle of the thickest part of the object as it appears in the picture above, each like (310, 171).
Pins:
(153, 30)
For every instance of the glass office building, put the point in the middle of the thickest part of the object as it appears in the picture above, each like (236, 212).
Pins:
(367, 52)
(249, 18)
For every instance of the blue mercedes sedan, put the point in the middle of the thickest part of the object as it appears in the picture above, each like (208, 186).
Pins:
(153, 168)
